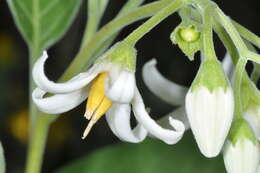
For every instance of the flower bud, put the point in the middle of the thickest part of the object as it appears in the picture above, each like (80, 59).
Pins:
(210, 107)
(241, 151)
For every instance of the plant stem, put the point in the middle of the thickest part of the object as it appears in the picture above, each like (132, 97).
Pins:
(33, 164)
(240, 67)
(129, 6)
(248, 35)
(85, 57)
(95, 10)
(138, 33)
(37, 145)
(207, 37)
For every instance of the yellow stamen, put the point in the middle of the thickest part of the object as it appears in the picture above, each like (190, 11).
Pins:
(97, 104)
(88, 128)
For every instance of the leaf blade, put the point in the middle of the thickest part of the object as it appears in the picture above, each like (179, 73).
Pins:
(43, 22)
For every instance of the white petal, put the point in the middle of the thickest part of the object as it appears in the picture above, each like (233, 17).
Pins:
(241, 157)
(122, 89)
(74, 84)
(58, 103)
(210, 115)
(118, 118)
(228, 66)
(168, 91)
(166, 135)
(178, 114)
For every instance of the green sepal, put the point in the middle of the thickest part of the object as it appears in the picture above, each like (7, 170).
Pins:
(121, 53)
(248, 91)
(190, 42)
(210, 75)
(240, 129)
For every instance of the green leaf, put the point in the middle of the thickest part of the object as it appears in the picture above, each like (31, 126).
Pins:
(43, 22)
(2, 160)
(151, 156)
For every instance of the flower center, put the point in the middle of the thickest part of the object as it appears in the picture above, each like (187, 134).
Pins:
(97, 104)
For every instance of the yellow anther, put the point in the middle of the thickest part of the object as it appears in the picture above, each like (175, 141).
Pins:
(97, 104)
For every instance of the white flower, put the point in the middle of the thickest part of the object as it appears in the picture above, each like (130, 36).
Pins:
(111, 88)
(242, 156)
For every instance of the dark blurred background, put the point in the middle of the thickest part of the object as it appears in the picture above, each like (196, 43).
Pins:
(64, 143)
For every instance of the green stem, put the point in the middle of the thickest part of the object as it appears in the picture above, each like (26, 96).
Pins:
(207, 37)
(37, 145)
(138, 33)
(241, 64)
(256, 73)
(129, 6)
(234, 54)
(234, 35)
(32, 165)
(224, 37)
(248, 35)
(231, 30)
(85, 57)
(96, 9)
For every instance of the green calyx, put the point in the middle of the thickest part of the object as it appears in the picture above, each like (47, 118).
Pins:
(210, 75)
(121, 53)
(188, 37)
(241, 130)
(248, 93)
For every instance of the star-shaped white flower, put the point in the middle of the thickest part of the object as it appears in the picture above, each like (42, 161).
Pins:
(111, 89)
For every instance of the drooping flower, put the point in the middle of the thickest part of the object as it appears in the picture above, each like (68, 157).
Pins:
(111, 89)
(241, 151)
(210, 107)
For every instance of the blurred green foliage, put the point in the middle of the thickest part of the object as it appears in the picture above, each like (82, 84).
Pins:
(42, 22)
(151, 156)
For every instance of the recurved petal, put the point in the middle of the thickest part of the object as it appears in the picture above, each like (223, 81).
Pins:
(178, 114)
(118, 118)
(228, 66)
(78, 82)
(58, 103)
(166, 135)
(168, 91)
(122, 89)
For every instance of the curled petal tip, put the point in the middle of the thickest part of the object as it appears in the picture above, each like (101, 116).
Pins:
(177, 125)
